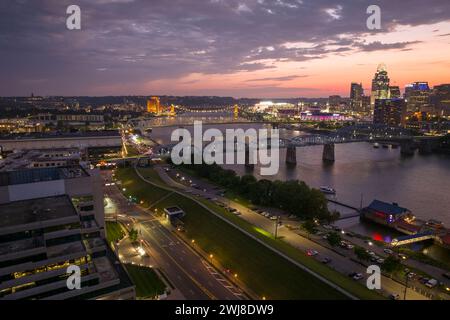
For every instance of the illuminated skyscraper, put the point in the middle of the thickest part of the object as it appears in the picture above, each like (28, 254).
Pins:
(390, 112)
(380, 85)
(356, 96)
(417, 96)
(440, 99)
(394, 92)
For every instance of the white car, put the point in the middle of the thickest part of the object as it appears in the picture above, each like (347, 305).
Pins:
(394, 296)
(358, 276)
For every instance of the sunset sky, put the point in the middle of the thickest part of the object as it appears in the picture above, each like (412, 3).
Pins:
(253, 48)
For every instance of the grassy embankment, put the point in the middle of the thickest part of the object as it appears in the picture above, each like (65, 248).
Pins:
(262, 270)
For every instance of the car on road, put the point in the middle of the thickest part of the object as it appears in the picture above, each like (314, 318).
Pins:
(350, 246)
(311, 252)
(388, 251)
(326, 260)
(273, 217)
(358, 276)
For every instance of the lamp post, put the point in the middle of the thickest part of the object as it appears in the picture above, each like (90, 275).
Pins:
(276, 226)
(406, 287)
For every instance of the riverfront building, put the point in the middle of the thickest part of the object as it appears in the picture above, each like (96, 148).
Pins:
(40, 238)
(389, 112)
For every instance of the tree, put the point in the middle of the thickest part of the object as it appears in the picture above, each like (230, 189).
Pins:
(309, 226)
(333, 216)
(334, 239)
(133, 234)
(361, 253)
(391, 264)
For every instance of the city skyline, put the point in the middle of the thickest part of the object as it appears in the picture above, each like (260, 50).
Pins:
(254, 49)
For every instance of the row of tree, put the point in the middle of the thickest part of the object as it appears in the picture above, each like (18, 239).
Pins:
(294, 197)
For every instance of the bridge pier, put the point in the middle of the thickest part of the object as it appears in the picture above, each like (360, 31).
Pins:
(407, 148)
(248, 157)
(291, 154)
(328, 152)
(427, 146)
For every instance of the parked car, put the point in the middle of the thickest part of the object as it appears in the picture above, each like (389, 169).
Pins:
(424, 280)
(273, 217)
(380, 260)
(394, 296)
(311, 252)
(388, 251)
(431, 283)
(350, 246)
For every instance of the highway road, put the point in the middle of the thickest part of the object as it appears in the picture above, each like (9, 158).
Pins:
(186, 270)
(343, 264)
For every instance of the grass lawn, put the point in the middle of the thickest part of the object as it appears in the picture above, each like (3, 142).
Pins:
(114, 231)
(151, 175)
(261, 269)
(132, 151)
(148, 284)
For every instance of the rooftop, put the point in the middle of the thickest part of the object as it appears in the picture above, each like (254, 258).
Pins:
(385, 207)
(60, 135)
(35, 210)
(41, 174)
(28, 158)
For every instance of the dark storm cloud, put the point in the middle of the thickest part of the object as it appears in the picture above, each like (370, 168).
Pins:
(135, 41)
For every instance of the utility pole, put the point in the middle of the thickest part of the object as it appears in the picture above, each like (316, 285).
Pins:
(406, 287)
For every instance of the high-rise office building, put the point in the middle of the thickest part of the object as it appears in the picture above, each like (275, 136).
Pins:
(390, 112)
(417, 97)
(356, 96)
(334, 101)
(366, 104)
(380, 85)
(394, 92)
(440, 99)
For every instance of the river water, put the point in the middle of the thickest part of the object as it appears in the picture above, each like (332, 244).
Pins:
(420, 183)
